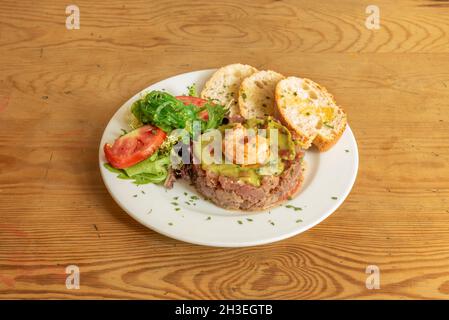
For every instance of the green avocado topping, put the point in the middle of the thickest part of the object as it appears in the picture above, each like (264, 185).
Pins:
(253, 174)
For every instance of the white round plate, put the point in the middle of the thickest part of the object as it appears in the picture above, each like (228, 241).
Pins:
(328, 180)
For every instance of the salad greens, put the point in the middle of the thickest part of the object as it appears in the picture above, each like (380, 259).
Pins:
(165, 111)
(168, 113)
(151, 170)
(193, 92)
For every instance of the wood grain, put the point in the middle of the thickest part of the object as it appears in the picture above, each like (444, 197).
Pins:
(59, 87)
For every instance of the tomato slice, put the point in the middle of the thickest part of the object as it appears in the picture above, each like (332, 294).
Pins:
(196, 102)
(134, 146)
(192, 100)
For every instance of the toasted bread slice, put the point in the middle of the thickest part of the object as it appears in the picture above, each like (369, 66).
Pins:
(256, 95)
(223, 86)
(308, 109)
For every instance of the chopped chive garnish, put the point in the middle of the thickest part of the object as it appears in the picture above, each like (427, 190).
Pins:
(208, 218)
(135, 196)
(334, 198)
(298, 221)
(174, 203)
(177, 209)
(170, 223)
(249, 219)
(239, 222)
(293, 207)
(175, 198)
(328, 125)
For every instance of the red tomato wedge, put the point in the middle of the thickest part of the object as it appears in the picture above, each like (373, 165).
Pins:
(134, 146)
(197, 102)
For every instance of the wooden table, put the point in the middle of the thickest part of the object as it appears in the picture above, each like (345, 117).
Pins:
(59, 88)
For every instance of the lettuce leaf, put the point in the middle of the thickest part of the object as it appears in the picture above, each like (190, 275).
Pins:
(152, 170)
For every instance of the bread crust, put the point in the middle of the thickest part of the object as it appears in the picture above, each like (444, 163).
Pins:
(303, 140)
(230, 76)
(324, 145)
(307, 140)
(256, 94)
